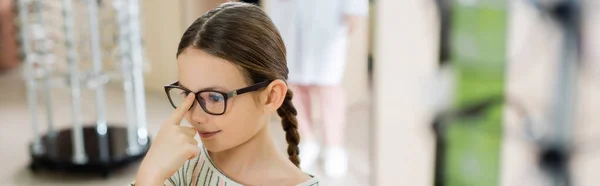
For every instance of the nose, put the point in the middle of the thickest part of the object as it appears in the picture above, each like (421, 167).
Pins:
(197, 114)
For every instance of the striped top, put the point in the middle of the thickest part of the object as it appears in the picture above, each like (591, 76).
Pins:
(201, 171)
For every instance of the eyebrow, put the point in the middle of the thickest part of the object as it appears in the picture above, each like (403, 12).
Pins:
(213, 88)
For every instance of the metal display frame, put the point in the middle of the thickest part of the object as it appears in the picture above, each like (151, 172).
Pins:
(100, 147)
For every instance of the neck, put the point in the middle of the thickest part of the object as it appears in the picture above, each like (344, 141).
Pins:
(253, 155)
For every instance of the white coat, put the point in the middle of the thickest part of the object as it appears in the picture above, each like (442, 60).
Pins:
(316, 37)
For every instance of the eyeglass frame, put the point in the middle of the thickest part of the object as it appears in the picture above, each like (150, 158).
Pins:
(226, 95)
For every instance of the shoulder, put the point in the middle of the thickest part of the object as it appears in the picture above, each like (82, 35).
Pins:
(295, 176)
(307, 180)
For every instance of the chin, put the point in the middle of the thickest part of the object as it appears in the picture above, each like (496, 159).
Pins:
(210, 147)
(220, 145)
(214, 145)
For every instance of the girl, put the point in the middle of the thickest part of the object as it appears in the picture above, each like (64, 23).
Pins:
(232, 73)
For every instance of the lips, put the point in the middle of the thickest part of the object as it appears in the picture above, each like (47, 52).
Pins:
(204, 134)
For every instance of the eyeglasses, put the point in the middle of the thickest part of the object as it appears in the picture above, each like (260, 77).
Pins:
(212, 102)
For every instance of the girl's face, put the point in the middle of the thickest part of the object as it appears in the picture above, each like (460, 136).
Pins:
(244, 115)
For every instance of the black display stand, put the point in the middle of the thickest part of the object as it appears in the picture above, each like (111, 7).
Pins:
(104, 154)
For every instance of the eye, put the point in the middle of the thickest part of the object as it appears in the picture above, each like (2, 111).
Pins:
(215, 97)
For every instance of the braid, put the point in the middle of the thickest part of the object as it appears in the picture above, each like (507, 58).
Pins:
(288, 112)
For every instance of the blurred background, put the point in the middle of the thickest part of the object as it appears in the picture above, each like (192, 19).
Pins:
(438, 92)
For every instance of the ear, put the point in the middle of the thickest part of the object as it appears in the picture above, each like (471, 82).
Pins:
(274, 95)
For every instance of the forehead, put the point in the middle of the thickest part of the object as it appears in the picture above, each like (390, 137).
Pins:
(199, 70)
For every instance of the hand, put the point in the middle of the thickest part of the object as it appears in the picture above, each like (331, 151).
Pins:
(173, 145)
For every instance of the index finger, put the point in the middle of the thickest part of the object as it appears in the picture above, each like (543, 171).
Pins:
(180, 111)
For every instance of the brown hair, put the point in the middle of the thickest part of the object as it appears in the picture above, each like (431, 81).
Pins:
(244, 35)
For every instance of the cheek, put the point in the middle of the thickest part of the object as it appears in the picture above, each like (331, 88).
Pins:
(243, 112)
(243, 119)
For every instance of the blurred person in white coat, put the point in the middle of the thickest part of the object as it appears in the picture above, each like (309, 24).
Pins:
(316, 34)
